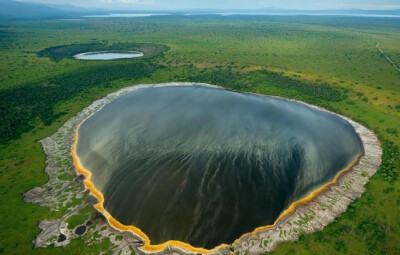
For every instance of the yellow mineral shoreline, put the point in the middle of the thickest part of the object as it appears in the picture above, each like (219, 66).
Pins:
(148, 247)
(118, 225)
(304, 200)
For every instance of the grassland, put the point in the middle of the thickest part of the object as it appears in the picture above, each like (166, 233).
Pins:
(327, 61)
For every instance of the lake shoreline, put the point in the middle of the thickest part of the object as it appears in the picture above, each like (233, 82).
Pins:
(264, 238)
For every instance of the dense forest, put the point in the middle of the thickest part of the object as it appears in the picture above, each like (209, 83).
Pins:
(19, 106)
(242, 82)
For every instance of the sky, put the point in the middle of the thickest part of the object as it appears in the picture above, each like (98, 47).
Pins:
(229, 4)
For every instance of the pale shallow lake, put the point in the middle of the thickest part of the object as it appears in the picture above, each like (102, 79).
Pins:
(108, 55)
(205, 165)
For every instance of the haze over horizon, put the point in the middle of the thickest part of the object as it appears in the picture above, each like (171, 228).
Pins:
(170, 5)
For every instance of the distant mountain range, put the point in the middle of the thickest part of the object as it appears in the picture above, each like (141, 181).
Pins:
(14, 10)
(17, 10)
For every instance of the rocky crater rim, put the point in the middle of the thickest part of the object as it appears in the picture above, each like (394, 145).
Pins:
(371, 158)
(57, 53)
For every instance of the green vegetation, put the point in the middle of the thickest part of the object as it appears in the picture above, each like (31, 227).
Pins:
(24, 103)
(245, 82)
(80, 218)
(327, 61)
(76, 220)
(66, 177)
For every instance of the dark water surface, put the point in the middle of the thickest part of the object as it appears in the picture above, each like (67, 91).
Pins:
(205, 165)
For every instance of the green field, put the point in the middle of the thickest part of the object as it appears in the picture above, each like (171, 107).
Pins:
(326, 61)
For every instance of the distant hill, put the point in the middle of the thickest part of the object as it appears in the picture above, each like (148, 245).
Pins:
(76, 9)
(13, 10)
(17, 10)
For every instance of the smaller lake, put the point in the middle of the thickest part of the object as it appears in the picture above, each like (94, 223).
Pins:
(105, 55)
